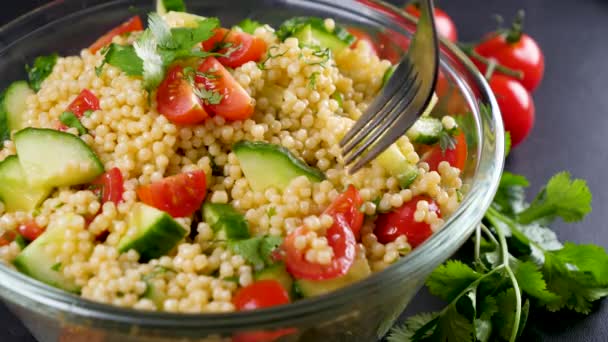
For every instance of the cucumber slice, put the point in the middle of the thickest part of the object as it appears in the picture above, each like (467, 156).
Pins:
(359, 270)
(426, 130)
(393, 160)
(164, 6)
(276, 272)
(156, 232)
(267, 165)
(15, 192)
(36, 261)
(226, 222)
(52, 158)
(13, 102)
(312, 30)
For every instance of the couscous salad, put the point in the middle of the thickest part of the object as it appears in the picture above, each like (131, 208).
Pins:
(191, 167)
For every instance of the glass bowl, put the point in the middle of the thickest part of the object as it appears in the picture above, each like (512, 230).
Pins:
(361, 312)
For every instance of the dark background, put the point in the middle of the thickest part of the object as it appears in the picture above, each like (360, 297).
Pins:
(571, 126)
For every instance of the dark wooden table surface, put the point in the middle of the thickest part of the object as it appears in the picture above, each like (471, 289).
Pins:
(571, 125)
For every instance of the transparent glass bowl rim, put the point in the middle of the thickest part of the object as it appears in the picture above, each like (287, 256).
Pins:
(477, 200)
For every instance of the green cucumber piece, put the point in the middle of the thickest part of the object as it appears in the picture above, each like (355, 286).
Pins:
(164, 6)
(393, 160)
(359, 270)
(312, 31)
(156, 232)
(388, 73)
(276, 272)
(36, 262)
(426, 130)
(15, 191)
(13, 104)
(52, 158)
(226, 222)
(267, 165)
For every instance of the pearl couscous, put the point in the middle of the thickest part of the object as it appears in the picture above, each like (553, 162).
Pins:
(303, 97)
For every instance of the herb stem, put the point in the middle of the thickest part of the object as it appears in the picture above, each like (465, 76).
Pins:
(478, 242)
(505, 264)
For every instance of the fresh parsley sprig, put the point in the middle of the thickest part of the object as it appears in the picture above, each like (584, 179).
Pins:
(518, 266)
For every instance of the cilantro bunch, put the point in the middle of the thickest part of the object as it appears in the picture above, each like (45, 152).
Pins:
(518, 265)
(158, 47)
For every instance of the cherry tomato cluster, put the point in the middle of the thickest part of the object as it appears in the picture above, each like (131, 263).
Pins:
(513, 64)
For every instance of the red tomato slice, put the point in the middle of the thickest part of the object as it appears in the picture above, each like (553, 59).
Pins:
(235, 103)
(341, 239)
(110, 186)
(348, 204)
(84, 102)
(7, 237)
(240, 47)
(180, 195)
(524, 55)
(177, 100)
(261, 294)
(362, 35)
(30, 230)
(457, 157)
(131, 25)
(401, 221)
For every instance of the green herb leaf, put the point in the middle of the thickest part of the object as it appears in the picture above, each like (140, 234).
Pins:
(123, 57)
(71, 120)
(249, 26)
(153, 67)
(507, 143)
(563, 197)
(42, 68)
(160, 31)
(446, 141)
(531, 281)
(450, 279)
(56, 267)
(173, 5)
(411, 326)
(5, 132)
(510, 197)
(256, 250)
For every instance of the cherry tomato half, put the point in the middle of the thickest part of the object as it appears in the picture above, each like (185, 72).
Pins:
(444, 24)
(131, 25)
(177, 100)
(340, 238)
(261, 294)
(30, 230)
(362, 35)
(457, 157)
(516, 107)
(180, 195)
(524, 55)
(7, 237)
(235, 103)
(401, 221)
(240, 47)
(110, 186)
(347, 204)
(84, 102)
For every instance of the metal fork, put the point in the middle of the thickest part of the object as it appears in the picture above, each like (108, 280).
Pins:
(401, 101)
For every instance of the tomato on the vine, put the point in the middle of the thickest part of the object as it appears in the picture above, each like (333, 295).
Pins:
(389, 226)
(443, 23)
(514, 50)
(516, 106)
